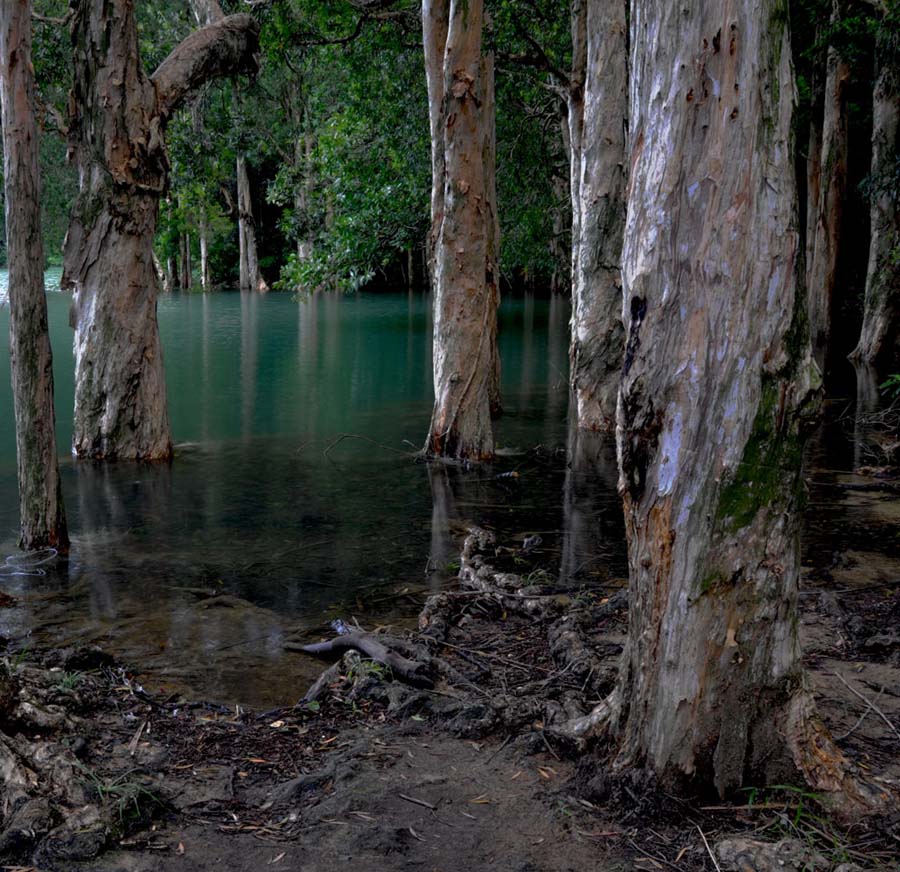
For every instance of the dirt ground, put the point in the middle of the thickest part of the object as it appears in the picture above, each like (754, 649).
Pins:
(100, 774)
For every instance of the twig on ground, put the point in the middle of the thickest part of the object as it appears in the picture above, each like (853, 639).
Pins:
(708, 849)
(868, 702)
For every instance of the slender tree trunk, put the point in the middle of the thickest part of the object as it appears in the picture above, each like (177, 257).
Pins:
(118, 117)
(464, 232)
(250, 277)
(187, 269)
(172, 271)
(42, 516)
(164, 279)
(598, 108)
(205, 279)
(822, 272)
(434, 31)
(879, 336)
(814, 156)
(491, 218)
(718, 390)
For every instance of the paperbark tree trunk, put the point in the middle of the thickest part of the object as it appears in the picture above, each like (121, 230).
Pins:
(879, 337)
(822, 269)
(187, 269)
(205, 279)
(464, 233)
(598, 108)
(117, 122)
(250, 277)
(42, 516)
(718, 390)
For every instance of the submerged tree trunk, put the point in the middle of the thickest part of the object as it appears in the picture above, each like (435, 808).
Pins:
(826, 238)
(118, 116)
(718, 390)
(250, 277)
(42, 517)
(598, 108)
(879, 336)
(464, 234)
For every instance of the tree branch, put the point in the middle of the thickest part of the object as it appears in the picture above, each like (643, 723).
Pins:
(227, 47)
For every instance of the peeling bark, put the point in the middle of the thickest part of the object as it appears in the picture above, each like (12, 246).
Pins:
(116, 135)
(597, 113)
(881, 313)
(822, 266)
(464, 233)
(717, 394)
(250, 277)
(42, 516)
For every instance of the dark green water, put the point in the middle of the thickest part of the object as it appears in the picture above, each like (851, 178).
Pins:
(263, 501)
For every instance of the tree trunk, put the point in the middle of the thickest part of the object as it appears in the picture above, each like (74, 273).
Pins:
(814, 154)
(491, 220)
(717, 392)
(598, 108)
(822, 268)
(187, 269)
(878, 338)
(172, 272)
(163, 277)
(42, 516)
(117, 122)
(250, 277)
(464, 232)
(205, 280)
(434, 31)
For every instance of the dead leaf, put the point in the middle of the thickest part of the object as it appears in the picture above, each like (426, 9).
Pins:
(277, 859)
(180, 848)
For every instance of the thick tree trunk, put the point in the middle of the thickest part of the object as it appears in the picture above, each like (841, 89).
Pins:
(163, 277)
(464, 233)
(598, 210)
(822, 268)
(814, 155)
(118, 116)
(879, 336)
(42, 517)
(172, 273)
(491, 218)
(718, 388)
(250, 277)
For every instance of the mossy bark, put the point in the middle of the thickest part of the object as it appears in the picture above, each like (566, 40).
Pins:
(717, 392)
(42, 517)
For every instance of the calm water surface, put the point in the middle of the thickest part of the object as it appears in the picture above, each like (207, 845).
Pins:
(266, 502)
(269, 502)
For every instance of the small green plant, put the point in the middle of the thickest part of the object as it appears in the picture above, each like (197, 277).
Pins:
(365, 669)
(890, 387)
(313, 706)
(134, 804)
(19, 658)
(69, 680)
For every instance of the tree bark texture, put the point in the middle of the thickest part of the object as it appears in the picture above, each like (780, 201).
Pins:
(718, 387)
(878, 338)
(42, 516)
(826, 238)
(598, 108)
(250, 277)
(465, 232)
(117, 123)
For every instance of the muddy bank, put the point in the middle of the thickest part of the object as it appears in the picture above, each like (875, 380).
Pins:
(456, 767)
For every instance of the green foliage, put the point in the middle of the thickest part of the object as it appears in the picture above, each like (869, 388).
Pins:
(890, 387)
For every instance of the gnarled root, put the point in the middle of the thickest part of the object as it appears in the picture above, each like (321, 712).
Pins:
(826, 770)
